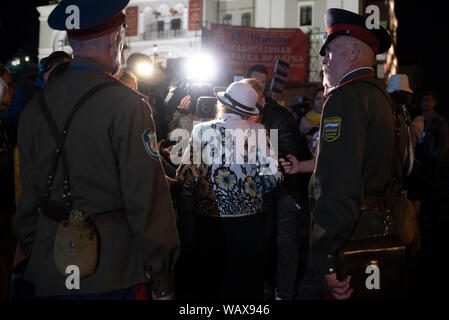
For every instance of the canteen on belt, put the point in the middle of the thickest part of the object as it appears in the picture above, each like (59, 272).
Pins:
(76, 243)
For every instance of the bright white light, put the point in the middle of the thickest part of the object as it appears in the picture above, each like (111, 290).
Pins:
(201, 68)
(27, 59)
(16, 62)
(144, 69)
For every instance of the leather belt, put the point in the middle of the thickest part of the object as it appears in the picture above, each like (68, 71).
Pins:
(57, 212)
(374, 203)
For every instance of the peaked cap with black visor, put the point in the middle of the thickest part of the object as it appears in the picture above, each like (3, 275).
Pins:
(341, 22)
(97, 17)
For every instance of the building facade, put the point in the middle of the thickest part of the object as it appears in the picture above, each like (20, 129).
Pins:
(161, 28)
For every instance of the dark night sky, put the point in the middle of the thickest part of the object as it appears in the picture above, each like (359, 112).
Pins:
(422, 33)
(422, 29)
(19, 27)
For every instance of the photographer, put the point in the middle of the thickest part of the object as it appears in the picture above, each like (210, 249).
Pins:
(187, 103)
(184, 105)
(183, 98)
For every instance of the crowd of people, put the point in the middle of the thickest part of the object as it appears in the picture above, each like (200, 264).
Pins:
(207, 230)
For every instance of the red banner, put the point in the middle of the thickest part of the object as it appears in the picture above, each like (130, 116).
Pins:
(238, 48)
(132, 16)
(195, 15)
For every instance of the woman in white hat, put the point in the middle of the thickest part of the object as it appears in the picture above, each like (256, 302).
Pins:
(227, 171)
(402, 94)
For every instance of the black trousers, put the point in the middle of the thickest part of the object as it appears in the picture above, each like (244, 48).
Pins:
(291, 245)
(229, 256)
(287, 231)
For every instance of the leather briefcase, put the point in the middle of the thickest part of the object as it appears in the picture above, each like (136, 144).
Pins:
(377, 267)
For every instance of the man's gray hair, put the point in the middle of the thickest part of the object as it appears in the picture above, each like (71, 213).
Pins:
(83, 44)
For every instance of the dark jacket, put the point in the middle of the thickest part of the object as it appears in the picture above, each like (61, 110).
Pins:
(354, 157)
(290, 141)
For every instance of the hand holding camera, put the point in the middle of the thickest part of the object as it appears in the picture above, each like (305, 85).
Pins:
(197, 99)
(185, 103)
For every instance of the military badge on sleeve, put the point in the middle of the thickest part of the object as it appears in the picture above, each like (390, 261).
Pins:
(331, 129)
(150, 143)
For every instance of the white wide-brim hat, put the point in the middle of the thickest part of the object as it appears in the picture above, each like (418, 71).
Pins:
(399, 82)
(239, 97)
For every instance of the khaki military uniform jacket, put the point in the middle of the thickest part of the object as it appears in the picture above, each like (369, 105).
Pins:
(111, 167)
(354, 156)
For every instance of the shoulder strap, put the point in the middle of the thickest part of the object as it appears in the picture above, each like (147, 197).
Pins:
(392, 179)
(411, 152)
(60, 140)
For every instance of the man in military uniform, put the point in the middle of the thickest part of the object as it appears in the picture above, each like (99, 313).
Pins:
(111, 156)
(356, 141)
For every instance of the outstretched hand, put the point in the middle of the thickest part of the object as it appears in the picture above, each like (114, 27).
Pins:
(290, 165)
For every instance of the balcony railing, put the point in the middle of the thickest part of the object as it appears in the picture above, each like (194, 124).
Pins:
(166, 34)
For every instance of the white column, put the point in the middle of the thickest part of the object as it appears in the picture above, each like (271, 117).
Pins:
(262, 13)
(277, 14)
(141, 25)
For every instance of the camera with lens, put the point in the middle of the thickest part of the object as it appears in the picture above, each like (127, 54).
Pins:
(202, 99)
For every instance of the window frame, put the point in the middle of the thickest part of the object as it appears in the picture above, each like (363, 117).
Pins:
(244, 16)
(310, 4)
(160, 23)
(180, 23)
(229, 16)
